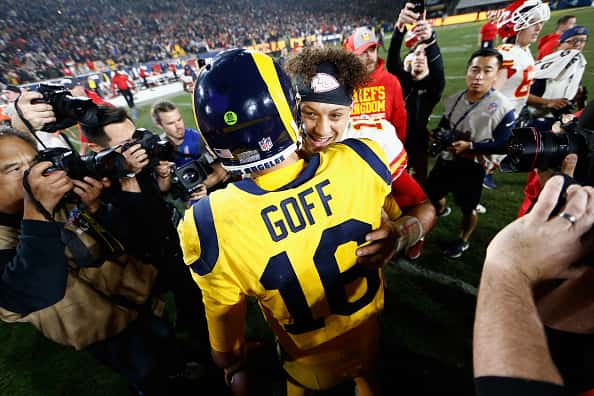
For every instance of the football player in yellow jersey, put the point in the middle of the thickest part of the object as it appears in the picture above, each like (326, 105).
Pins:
(325, 119)
(288, 235)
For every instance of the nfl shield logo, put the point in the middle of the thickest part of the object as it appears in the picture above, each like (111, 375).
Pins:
(265, 144)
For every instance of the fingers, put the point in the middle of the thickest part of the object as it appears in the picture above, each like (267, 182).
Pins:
(569, 164)
(547, 200)
(579, 204)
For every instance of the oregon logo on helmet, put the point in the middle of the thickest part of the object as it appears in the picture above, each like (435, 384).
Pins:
(230, 118)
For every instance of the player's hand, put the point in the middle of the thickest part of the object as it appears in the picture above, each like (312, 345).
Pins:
(423, 30)
(89, 191)
(38, 114)
(407, 16)
(136, 158)
(536, 247)
(556, 104)
(47, 188)
(382, 244)
(459, 146)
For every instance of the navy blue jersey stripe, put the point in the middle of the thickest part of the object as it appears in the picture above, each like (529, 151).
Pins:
(371, 158)
(209, 245)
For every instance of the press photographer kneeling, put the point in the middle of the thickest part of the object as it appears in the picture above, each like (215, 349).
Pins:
(67, 271)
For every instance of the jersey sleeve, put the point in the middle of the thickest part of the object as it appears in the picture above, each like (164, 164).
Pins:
(223, 298)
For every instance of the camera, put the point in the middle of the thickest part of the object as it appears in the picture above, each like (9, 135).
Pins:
(186, 178)
(156, 148)
(68, 109)
(107, 163)
(530, 149)
(442, 138)
(419, 7)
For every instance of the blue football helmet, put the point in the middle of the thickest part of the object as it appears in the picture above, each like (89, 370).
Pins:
(243, 105)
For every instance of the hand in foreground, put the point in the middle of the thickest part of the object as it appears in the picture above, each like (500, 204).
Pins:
(537, 247)
(38, 114)
(136, 158)
(201, 192)
(407, 16)
(89, 191)
(423, 30)
(48, 189)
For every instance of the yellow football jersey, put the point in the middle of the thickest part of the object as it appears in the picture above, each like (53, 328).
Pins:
(292, 246)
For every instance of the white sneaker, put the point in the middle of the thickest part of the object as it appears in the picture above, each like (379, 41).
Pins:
(480, 209)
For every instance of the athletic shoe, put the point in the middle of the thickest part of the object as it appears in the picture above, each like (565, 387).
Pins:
(414, 252)
(445, 212)
(489, 183)
(480, 209)
(456, 248)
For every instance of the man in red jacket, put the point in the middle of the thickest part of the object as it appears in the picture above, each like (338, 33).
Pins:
(125, 85)
(381, 96)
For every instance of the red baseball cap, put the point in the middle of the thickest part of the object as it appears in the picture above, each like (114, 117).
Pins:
(361, 40)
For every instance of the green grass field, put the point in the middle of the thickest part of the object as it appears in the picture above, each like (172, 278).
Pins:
(427, 322)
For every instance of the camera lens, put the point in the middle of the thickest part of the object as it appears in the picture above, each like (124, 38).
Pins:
(529, 148)
(190, 176)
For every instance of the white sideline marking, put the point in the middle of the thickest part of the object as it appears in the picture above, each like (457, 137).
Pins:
(437, 277)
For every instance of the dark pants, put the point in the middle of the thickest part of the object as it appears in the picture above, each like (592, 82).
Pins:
(462, 177)
(145, 353)
(127, 94)
(417, 144)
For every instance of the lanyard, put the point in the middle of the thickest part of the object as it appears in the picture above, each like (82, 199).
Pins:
(455, 128)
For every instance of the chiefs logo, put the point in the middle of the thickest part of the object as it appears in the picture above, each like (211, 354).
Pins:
(323, 82)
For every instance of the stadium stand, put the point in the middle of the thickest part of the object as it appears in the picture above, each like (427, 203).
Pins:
(69, 36)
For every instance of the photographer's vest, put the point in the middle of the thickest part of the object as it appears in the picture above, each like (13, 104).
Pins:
(100, 301)
(475, 122)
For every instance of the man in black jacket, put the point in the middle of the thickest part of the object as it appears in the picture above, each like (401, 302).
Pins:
(422, 78)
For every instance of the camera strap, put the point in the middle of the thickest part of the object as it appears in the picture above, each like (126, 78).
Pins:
(22, 117)
(37, 204)
(467, 112)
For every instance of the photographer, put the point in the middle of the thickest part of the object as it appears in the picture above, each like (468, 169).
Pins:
(511, 352)
(65, 270)
(477, 122)
(422, 78)
(158, 241)
(189, 146)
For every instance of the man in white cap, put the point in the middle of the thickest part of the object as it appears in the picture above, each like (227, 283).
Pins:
(381, 96)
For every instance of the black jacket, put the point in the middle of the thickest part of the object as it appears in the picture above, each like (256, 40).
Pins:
(420, 96)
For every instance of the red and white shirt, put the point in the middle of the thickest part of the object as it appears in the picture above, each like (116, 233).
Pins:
(519, 64)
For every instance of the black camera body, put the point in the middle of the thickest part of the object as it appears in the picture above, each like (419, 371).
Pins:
(107, 163)
(442, 138)
(68, 109)
(156, 148)
(188, 177)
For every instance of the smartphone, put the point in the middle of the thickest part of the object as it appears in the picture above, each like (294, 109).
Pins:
(419, 7)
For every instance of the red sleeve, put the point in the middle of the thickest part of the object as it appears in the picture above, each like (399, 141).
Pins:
(399, 117)
(407, 192)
